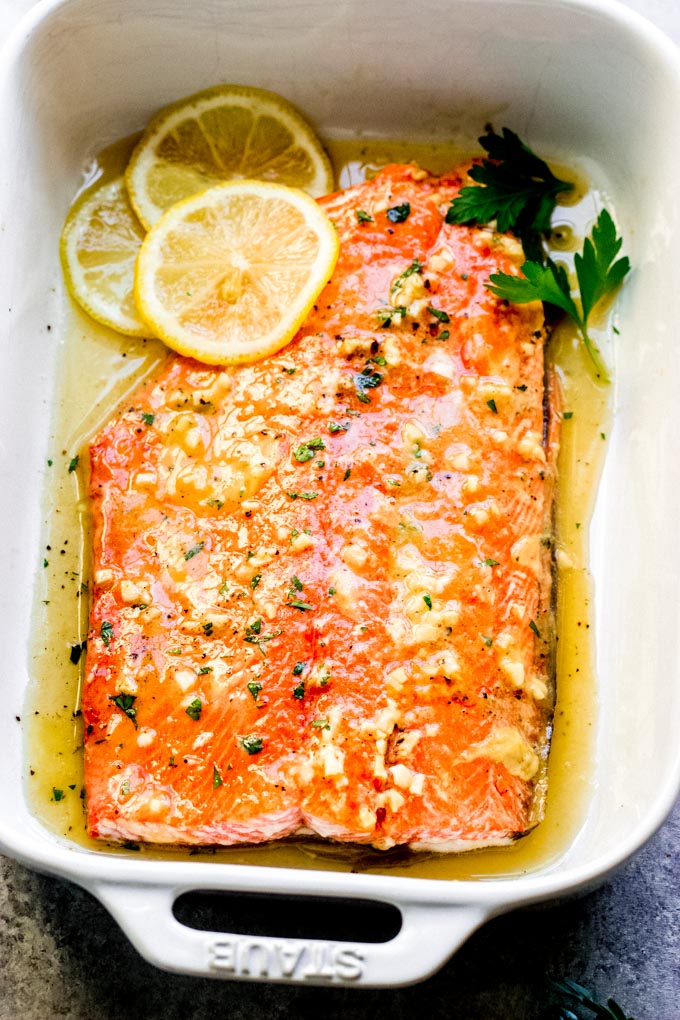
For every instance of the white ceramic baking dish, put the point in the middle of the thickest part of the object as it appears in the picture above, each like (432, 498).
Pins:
(588, 79)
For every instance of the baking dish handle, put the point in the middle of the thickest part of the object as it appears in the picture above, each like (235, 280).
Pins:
(429, 935)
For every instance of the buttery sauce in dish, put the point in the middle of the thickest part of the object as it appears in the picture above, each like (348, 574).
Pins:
(54, 743)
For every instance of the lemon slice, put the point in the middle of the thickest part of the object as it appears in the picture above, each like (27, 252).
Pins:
(99, 247)
(229, 132)
(229, 275)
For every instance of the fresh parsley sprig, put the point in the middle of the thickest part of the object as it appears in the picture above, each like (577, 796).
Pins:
(576, 995)
(519, 191)
(597, 274)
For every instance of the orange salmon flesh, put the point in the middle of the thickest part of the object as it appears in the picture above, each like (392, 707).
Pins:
(322, 582)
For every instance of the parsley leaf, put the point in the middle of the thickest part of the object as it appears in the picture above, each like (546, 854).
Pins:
(302, 495)
(399, 213)
(254, 687)
(217, 778)
(363, 217)
(439, 314)
(305, 451)
(304, 607)
(194, 709)
(367, 379)
(415, 267)
(254, 581)
(148, 418)
(190, 553)
(57, 794)
(299, 668)
(106, 632)
(596, 272)
(73, 463)
(77, 651)
(125, 703)
(334, 426)
(251, 744)
(519, 191)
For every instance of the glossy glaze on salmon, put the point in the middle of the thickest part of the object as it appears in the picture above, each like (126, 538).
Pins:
(322, 582)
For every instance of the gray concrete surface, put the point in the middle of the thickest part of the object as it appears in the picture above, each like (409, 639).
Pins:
(61, 955)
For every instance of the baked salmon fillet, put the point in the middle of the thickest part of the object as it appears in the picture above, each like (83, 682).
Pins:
(321, 596)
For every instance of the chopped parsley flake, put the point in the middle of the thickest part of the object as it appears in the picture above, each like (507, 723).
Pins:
(207, 628)
(194, 709)
(148, 418)
(363, 217)
(125, 702)
(73, 463)
(535, 629)
(255, 580)
(304, 607)
(444, 335)
(305, 451)
(334, 426)
(428, 601)
(321, 724)
(217, 778)
(347, 473)
(57, 794)
(302, 495)
(567, 415)
(439, 315)
(254, 687)
(174, 651)
(251, 744)
(491, 404)
(77, 651)
(331, 591)
(385, 315)
(194, 551)
(399, 213)
(367, 379)
(488, 641)
(204, 669)
(296, 582)
(415, 267)
(488, 562)
(106, 632)
(299, 668)
(299, 691)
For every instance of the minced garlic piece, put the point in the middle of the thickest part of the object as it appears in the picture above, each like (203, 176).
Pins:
(514, 671)
(303, 541)
(510, 748)
(146, 736)
(531, 448)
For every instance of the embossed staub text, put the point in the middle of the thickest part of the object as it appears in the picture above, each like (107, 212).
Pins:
(285, 958)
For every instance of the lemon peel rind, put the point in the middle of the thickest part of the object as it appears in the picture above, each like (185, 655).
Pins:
(258, 101)
(68, 247)
(166, 327)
